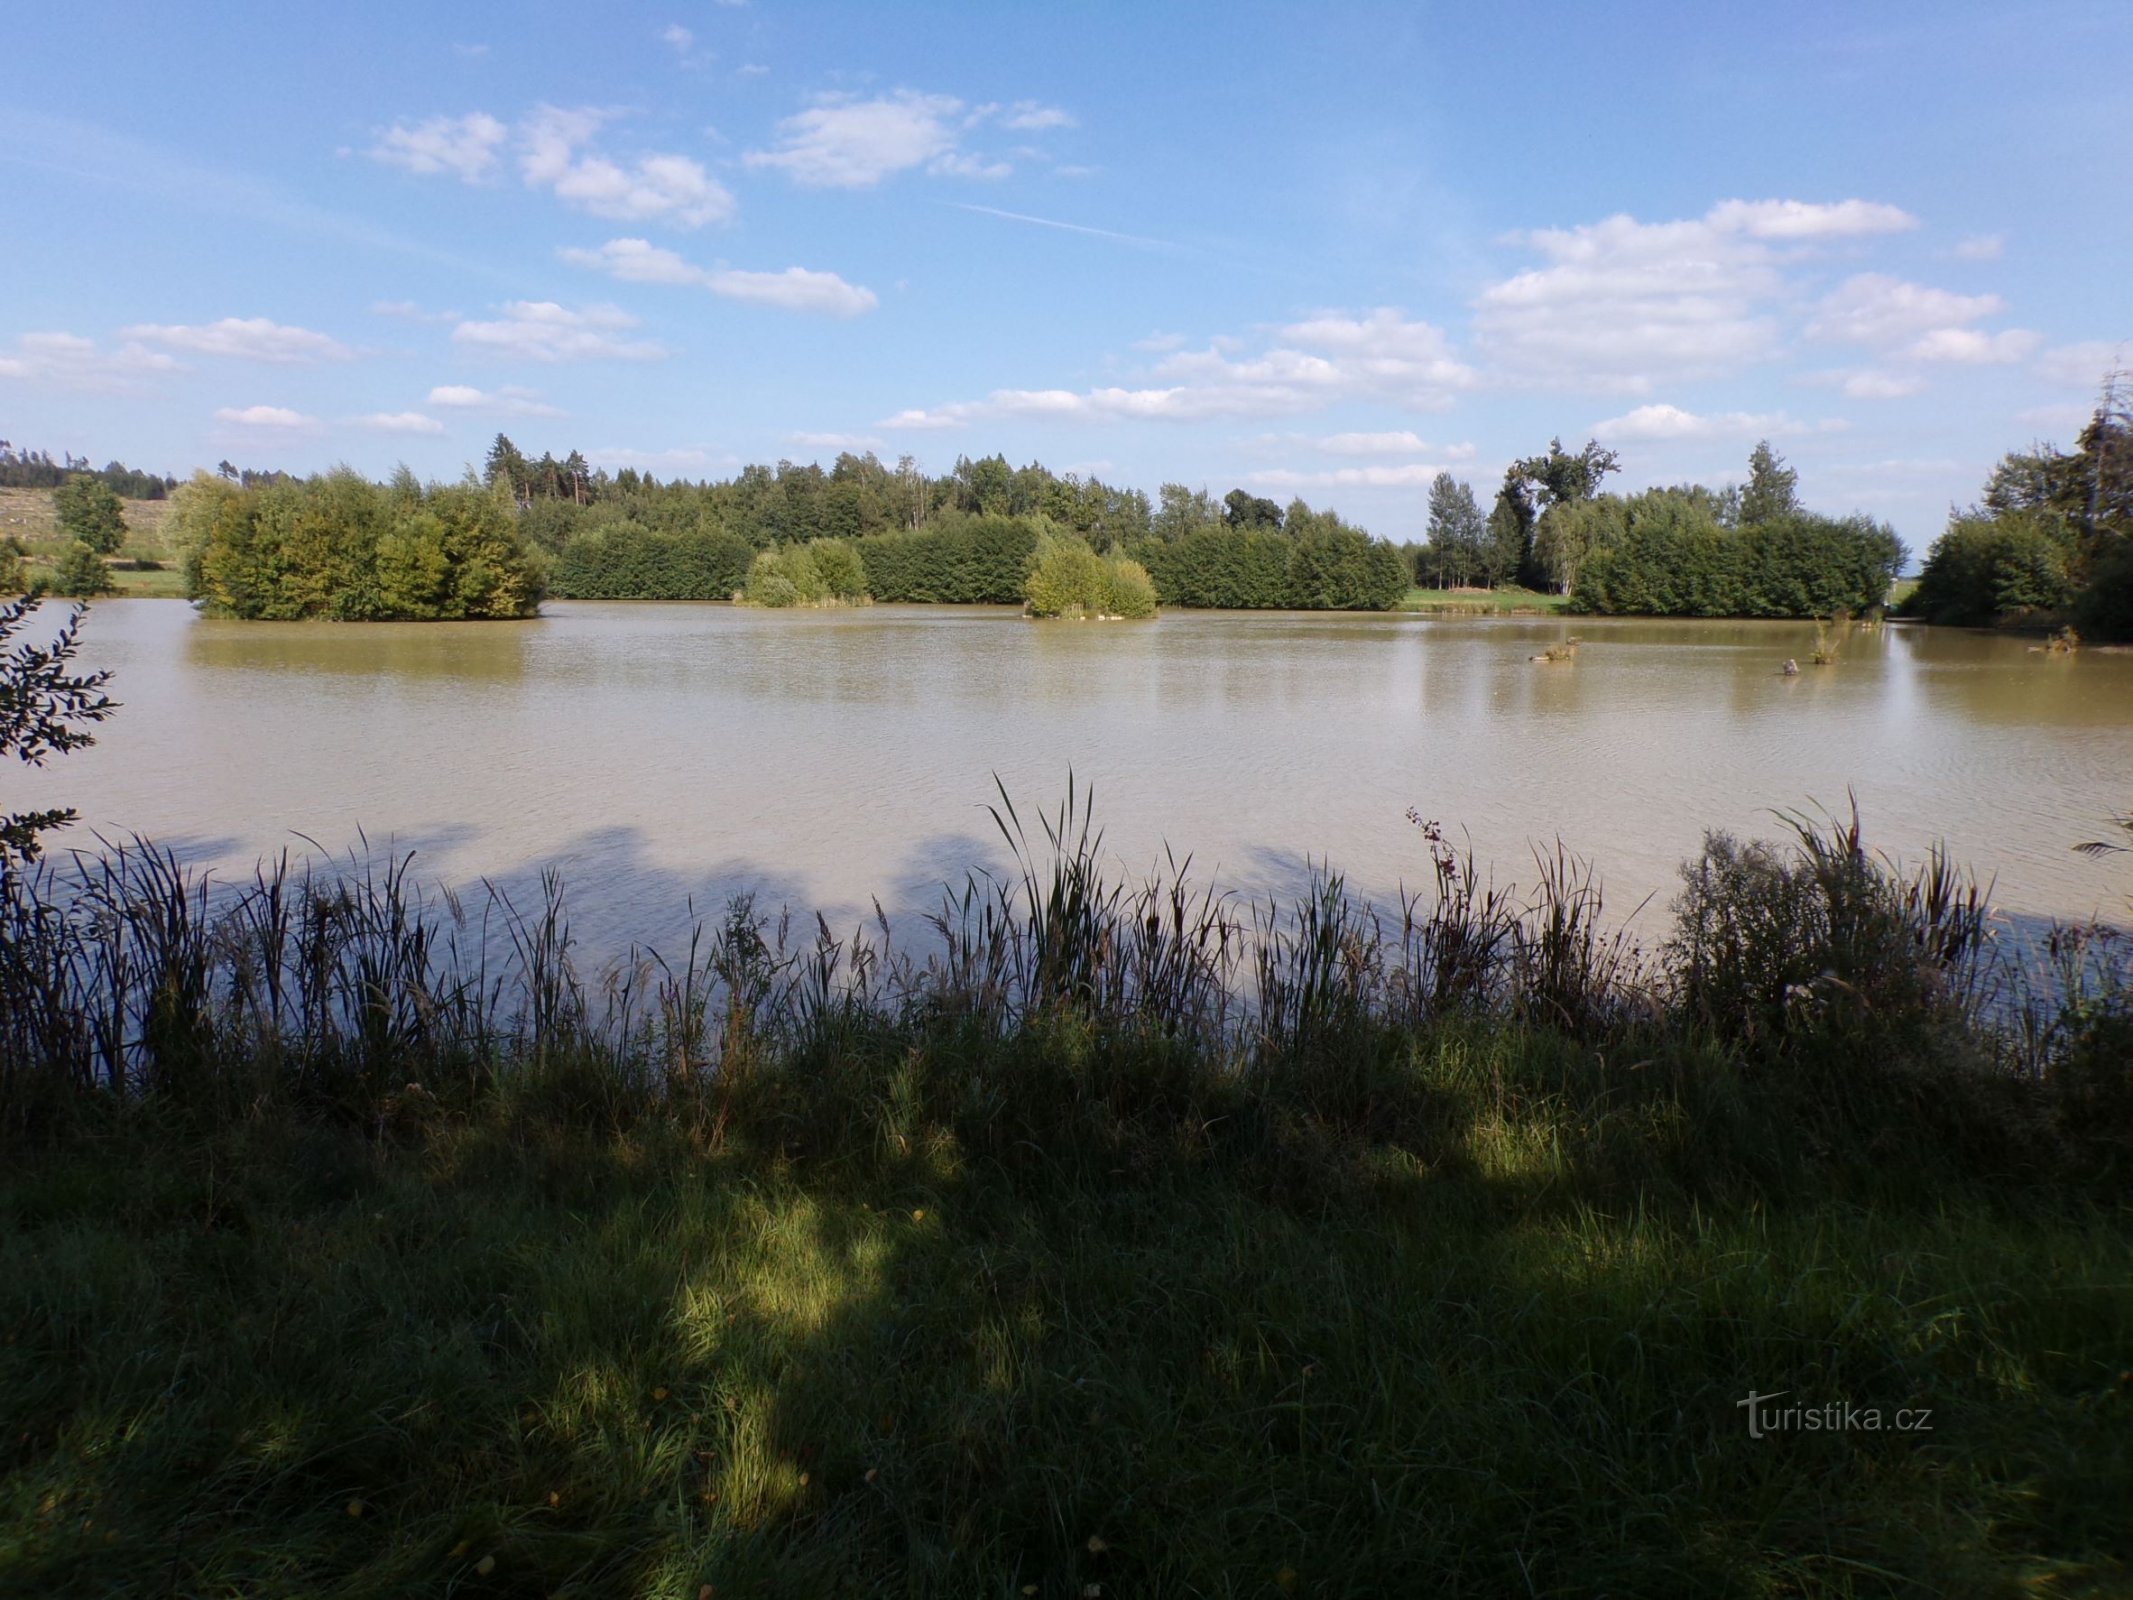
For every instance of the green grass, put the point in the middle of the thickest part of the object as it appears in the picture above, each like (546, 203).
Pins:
(1499, 1354)
(1481, 602)
(1900, 591)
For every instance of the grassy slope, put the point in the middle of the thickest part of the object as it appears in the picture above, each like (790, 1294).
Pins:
(27, 514)
(1500, 1353)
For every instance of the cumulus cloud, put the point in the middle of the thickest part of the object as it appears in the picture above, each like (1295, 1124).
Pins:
(273, 419)
(400, 422)
(1623, 304)
(243, 339)
(1671, 422)
(509, 399)
(69, 361)
(678, 38)
(1875, 309)
(1323, 360)
(845, 142)
(542, 330)
(1801, 219)
(793, 289)
(465, 147)
(1403, 442)
(1981, 247)
(670, 188)
(554, 150)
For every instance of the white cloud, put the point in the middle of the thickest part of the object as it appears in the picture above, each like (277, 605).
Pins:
(1161, 343)
(1405, 442)
(2082, 366)
(244, 339)
(1873, 384)
(678, 37)
(69, 361)
(670, 188)
(400, 422)
(276, 419)
(1028, 116)
(684, 458)
(509, 399)
(1671, 422)
(1875, 309)
(793, 289)
(409, 311)
(466, 146)
(856, 443)
(1623, 304)
(541, 330)
(1408, 475)
(843, 142)
(1321, 361)
(1975, 347)
(2058, 420)
(1981, 247)
(1800, 219)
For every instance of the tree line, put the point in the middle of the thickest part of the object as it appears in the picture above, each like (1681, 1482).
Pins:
(35, 469)
(1746, 551)
(2050, 541)
(968, 536)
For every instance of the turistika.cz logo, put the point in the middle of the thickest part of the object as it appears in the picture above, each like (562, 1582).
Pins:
(1766, 1416)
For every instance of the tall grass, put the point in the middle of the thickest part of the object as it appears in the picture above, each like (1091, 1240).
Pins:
(126, 975)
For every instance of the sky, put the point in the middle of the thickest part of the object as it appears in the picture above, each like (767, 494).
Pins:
(1325, 251)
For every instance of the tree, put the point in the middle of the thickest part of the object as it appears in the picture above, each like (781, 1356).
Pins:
(80, 573)
(1508, 549)
(14, 566)
(1565, 479)
(45, 710)
(1457, 531)
(1769, 494)
(1241, 510)
(91, 513)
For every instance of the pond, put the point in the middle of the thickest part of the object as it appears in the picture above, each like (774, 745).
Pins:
(667, 754)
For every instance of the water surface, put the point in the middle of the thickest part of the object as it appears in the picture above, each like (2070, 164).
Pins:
(663, 752)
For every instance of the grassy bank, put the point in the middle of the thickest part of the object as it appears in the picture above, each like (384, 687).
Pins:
(1507, 601)
(1127, 1240)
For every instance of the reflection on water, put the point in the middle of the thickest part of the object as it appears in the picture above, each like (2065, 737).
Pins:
(668, 751)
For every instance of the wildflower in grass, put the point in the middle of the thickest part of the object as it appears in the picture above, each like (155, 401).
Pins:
(355, 1508)
(918, 1216)
(485, 1566)
(659, 1394)
(1096, 1545)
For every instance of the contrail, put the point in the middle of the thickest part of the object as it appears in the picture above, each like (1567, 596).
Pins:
(1065, 227)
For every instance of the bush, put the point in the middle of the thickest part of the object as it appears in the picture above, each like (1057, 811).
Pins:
(1670, 556)
(624, 560)
(1069, 579)
(786, 577)
(960, 560)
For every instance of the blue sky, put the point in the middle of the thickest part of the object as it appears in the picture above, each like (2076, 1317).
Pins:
(1316, 251)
